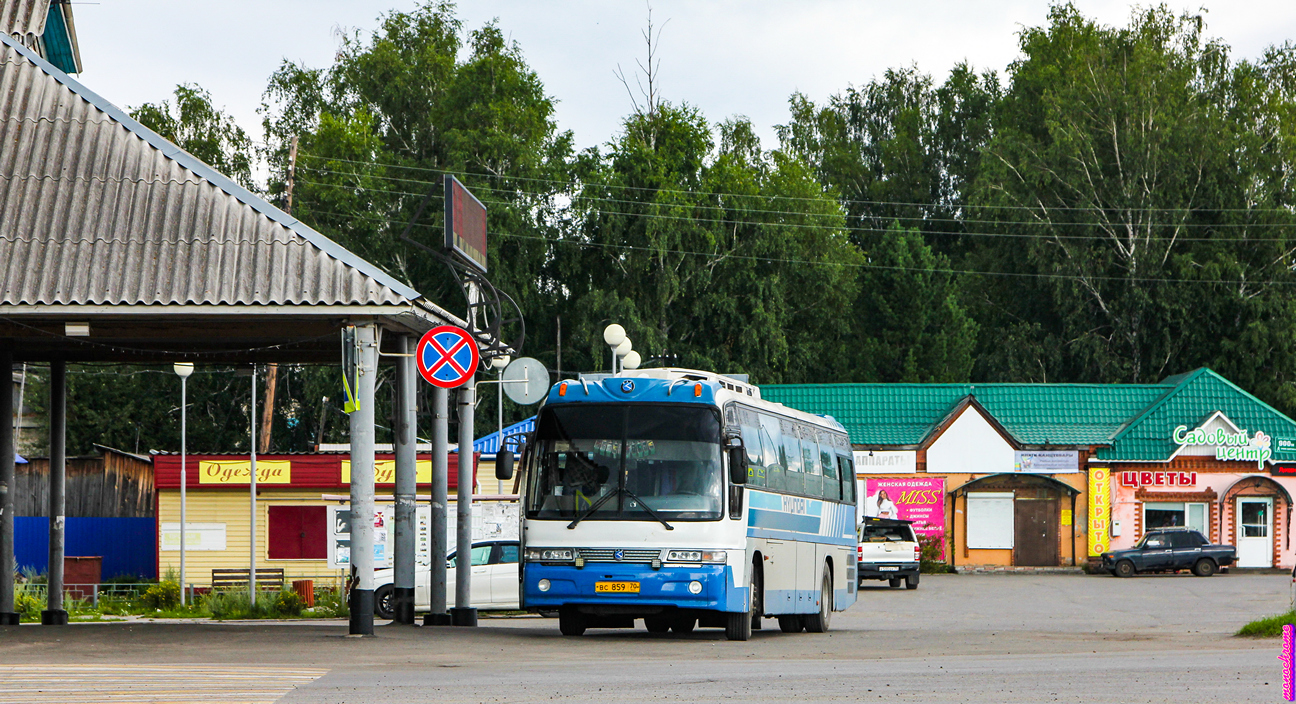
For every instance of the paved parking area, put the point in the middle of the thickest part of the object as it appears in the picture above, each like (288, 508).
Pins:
(979, 638)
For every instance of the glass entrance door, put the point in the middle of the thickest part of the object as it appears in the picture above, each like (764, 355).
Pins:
(1255, 532)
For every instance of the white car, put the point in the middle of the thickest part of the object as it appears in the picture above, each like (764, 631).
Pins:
(494, 580)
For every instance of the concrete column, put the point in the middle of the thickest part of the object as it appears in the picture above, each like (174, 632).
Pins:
(362, 485)
(54, 614)
(463, 614)
(438, 615)
(406, 438)
(8, 562)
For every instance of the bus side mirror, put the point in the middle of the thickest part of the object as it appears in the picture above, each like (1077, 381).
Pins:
(737, 462)
(504, 465)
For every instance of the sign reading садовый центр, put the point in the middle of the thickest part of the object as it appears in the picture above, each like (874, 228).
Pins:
(1228, 446)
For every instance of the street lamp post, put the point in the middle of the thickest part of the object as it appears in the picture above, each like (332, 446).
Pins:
(183, 370)
(614, 335)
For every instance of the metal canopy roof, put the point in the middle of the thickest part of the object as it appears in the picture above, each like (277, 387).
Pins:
(103, 221)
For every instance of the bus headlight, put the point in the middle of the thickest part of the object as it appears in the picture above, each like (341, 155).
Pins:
(695, 587)
(543, 585)
(550, 554)
(720, 556)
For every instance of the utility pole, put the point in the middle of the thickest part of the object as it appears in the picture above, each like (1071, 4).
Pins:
(272, 370)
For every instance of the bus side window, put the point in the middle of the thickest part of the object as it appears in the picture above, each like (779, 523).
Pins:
(772, 443)
(791, 454)
(847, 466)
(831, 485)
(749, 426)
(810, 462)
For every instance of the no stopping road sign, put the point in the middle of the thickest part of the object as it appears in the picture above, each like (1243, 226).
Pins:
(447, 356)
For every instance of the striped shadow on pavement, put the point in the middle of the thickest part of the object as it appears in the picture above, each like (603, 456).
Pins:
(151, 684)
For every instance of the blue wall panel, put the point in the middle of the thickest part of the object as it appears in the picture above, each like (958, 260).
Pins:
(127, 545)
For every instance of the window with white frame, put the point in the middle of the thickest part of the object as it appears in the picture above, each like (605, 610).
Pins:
(1171, 514)
(990, 520)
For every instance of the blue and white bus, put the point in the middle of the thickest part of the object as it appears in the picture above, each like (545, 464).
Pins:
(681, 498)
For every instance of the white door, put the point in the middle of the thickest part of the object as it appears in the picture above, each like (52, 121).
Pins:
(504, 578)
(1255, 532)
(480, 591)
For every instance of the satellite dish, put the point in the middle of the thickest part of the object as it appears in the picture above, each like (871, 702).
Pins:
(535, 375)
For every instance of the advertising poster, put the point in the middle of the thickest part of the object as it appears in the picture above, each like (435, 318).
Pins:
(1099, 511)
(919, 500)
(1046, 461)
(492, 520)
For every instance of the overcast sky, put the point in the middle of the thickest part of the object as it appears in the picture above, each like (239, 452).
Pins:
(727, 57)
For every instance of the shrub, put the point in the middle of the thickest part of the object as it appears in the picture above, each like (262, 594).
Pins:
(289, 603)
(164, 595)
(1269, 627)
(331, 603)
(28, 602)
(929, 555)
(235, 605)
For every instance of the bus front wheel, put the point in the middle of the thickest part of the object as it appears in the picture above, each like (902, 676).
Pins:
(571, 622)
(738, 626)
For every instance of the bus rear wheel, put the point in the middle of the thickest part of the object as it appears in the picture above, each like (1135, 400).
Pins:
(818, 623)
(684, 624)
(657, 624)
(791, 623)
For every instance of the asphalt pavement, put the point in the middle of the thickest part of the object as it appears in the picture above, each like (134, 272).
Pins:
(964, 638)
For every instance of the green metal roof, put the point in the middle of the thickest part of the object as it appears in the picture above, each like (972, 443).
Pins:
(1137, 419)
(1193, 399)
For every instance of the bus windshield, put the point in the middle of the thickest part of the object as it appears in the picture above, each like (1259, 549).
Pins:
(665, 456)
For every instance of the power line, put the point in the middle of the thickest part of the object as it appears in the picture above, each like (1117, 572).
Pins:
(811, 262)
(801, 213)
(814, 226)
(1288, 211)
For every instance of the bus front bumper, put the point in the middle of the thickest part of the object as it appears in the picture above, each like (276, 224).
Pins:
(665, 587)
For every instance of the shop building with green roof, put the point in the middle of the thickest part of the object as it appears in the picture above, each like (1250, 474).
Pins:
(1030, 476)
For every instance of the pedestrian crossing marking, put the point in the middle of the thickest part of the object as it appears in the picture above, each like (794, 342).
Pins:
(150, 684)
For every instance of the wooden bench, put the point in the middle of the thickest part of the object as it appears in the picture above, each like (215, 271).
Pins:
(271, 578)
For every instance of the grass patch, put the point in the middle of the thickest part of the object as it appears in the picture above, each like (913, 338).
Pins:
(1268, 627)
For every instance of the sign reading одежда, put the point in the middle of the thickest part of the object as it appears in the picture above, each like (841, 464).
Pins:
(235, 472)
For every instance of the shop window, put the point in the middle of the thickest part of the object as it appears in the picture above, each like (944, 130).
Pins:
(990, 520)
(298, 533)
(1157, 514)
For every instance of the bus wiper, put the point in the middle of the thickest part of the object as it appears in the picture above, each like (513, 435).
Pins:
(593, 507)
(620, 491)
(645, 507)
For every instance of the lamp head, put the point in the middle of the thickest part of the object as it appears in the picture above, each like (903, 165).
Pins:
(613, 335)
(622, 349)
(183, 369)
(631, 360)
(500, 362)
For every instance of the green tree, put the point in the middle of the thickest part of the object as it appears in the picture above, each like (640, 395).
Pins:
(1140, 180)
(197, 126)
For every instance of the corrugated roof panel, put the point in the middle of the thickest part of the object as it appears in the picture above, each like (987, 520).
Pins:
(96, 209)
(1035, 414)
(24, 20)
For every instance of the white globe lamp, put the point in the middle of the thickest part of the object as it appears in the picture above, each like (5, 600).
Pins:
(613, 335)
(623, 349)
(631, 361)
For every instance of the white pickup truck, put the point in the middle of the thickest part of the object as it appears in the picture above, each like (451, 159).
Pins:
(888, 549)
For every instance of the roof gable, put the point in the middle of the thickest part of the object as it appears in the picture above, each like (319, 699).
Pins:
(95, 208)
(1199, 395)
